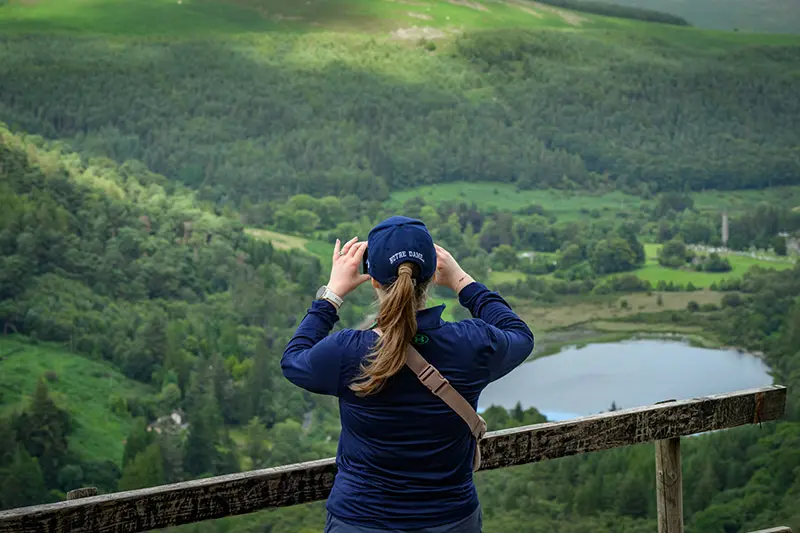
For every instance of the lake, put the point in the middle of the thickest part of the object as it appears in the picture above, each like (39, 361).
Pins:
(583, 381)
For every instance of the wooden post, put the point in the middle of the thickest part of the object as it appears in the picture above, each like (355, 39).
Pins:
(669, 486)
(85, 492)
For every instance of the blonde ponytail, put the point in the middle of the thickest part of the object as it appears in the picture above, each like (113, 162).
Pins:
(397, 320)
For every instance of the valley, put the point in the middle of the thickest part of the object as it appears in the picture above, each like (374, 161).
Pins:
(173, 174)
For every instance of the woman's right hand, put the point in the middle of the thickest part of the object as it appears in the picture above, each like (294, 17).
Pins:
(448, 272)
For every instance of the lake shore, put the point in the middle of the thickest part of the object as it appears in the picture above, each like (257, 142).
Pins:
(590, 379)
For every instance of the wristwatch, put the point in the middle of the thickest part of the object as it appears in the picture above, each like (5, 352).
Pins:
(324, 293)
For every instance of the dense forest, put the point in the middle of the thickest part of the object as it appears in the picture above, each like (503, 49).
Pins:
(108, 262)
(263, 117)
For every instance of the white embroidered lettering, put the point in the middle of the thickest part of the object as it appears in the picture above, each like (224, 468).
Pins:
(416, 255)
(395, 257)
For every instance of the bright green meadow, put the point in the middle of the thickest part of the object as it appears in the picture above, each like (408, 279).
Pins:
(80, 385)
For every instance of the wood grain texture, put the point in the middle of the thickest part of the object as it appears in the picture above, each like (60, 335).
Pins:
(180, 503)
(669, 486)
(510, 447)
(82, 493)
(235, 494)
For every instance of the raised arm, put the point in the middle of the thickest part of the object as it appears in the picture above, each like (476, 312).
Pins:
(509, 336)
(312, 359)
(308, 360)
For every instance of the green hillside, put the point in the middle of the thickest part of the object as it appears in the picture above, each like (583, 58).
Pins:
(87, 389)
(261, 100)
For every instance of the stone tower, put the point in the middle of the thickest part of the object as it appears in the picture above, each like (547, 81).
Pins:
(725, 230)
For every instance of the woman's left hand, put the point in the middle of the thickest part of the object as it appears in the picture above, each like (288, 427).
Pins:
(345, 276)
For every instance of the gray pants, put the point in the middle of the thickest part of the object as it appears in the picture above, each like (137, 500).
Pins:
(471, 524)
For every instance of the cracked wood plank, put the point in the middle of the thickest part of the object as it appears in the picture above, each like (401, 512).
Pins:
(235, 494)
(669, 486)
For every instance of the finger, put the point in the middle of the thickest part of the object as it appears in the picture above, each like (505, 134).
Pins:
(348, 245)
(363, 278)
(358, 250)
(336, 249)
(354, 254)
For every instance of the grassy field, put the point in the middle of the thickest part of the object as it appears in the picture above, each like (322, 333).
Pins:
(567, 205)
(498, 276)
(581, 311)
(281, 241)
(81, 386)
(504, 196)
(653, 272)
(741, 200)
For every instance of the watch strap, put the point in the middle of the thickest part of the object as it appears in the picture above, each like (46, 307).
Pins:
(332, 297)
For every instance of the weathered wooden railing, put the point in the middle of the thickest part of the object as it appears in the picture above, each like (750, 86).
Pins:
(235, 494)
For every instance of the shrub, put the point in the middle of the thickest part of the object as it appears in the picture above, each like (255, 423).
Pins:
(733, 299)
(51, 376)
(118, 404)
(715, 263)
(730, 285)
(692, 306)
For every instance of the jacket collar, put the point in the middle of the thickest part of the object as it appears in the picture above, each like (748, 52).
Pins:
(430, 317)
(426, 318)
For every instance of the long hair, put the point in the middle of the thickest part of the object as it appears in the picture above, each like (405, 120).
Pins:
(397, 320)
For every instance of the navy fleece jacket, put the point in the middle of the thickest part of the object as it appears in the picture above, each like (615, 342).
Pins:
(404, 457)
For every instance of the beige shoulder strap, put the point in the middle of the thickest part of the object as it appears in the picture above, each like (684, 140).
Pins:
(438, 385)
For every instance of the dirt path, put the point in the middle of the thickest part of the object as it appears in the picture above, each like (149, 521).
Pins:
(470, 4)
(572, 19)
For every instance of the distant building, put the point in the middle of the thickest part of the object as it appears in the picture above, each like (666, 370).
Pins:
(172, 422)
(725, 229)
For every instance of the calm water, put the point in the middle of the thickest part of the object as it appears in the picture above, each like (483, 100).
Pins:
(583, 381)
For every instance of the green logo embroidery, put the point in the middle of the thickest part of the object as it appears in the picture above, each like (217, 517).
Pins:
(420, 338)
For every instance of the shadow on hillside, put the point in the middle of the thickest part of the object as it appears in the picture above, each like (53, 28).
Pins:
(264, 117)
(228, 117)
(201, 17)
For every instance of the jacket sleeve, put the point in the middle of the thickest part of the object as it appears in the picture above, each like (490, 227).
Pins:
(312, 359)
(509, 337)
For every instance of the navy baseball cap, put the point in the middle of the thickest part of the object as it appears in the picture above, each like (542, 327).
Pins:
(399, 240)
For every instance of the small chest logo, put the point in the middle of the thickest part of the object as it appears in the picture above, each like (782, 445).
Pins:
(420, 338)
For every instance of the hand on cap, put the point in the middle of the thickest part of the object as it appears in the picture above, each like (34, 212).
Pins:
(345, 276)
(448, 272)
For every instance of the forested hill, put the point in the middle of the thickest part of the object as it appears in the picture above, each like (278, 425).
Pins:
(287, 100)
(113, 263)
(110, 264)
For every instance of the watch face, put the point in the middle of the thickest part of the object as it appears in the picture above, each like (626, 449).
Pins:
(320, 292)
